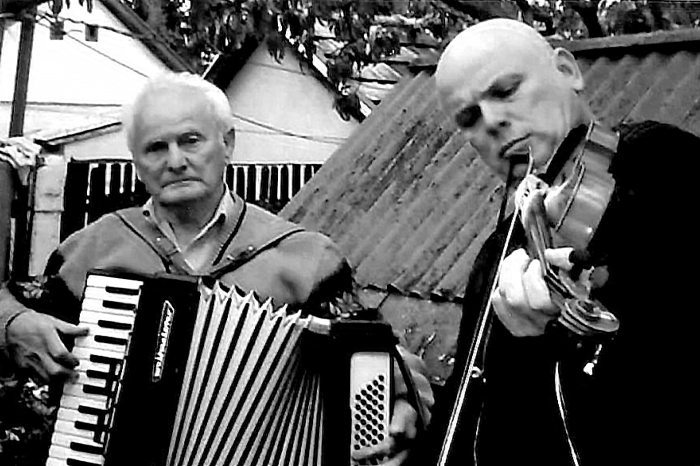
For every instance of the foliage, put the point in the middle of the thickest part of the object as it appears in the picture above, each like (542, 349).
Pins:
(26, 419)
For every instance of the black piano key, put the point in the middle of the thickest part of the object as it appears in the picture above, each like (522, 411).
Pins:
(95, 374)
(81, 447)
(75, 462)
(111, 340)
(113, 325)
(92, 411)
(85, 426)
(122, 291)
(117, 305)
(104, 359)
(95, 390)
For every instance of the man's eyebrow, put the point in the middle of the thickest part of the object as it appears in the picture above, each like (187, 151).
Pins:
(503, 81)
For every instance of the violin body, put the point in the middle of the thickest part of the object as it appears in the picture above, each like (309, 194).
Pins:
(583, 190)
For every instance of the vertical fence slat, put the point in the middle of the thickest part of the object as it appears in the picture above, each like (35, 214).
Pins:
(296, 179)
(96, 193)
(252, 183)
(74, 198)
(274, 184)
(114, 197)
(284, 183)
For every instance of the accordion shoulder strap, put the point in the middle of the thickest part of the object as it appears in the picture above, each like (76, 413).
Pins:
(258, 231)
(136, 222)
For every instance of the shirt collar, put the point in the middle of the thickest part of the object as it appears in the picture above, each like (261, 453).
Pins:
(229, 208)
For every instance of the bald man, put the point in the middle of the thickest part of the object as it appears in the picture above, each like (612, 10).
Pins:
(512, 94)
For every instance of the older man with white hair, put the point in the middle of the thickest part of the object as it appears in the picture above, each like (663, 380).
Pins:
(181, 134)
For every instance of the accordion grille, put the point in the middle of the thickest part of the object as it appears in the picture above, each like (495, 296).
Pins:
(247, 397)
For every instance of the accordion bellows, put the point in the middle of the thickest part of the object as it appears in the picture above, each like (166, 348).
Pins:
(253, 402)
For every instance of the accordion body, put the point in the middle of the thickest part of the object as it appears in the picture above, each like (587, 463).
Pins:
(175, 373)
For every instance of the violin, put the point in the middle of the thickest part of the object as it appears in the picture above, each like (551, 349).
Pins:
(560, 206)
(571, 211)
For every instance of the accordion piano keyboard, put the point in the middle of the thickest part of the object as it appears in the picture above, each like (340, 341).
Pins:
(82, 423)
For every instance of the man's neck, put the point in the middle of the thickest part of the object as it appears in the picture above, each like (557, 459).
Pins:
(188, 219)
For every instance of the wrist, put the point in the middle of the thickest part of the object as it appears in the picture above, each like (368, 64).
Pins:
(5, 322)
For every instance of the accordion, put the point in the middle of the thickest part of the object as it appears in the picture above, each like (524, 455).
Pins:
(178, 373)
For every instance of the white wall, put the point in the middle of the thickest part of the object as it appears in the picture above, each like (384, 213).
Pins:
(75, 71)
(281, 97)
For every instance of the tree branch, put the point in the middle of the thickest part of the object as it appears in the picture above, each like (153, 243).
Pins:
(588, 11)
(482, 10)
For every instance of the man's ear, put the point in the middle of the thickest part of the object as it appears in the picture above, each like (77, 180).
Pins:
(567, 66)
(230, 141)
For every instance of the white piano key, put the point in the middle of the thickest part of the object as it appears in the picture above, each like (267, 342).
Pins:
(74, 402)
(84, 379)
(97, 305)
(77, 391)
(73, 415)
(89, 316)
(104, 295)
(68, 428)
(88, 342)
(56, 462)
(87, 365)
(67, 453)
(107, 332)
(102, 281)
(65, 441)
(84, 353)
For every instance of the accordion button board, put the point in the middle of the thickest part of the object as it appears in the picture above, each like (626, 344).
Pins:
(175, 373)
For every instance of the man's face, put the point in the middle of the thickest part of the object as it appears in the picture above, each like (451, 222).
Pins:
(509, 96)
(179, 149)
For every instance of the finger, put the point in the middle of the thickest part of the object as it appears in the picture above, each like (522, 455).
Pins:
(33, 366)
(52, 369)
(510, 284)
(513, 320)
(559, 257)
(69, 329)
(397, 459)
(536, 290)
(403, 421)
(58, 351)
(380, 450)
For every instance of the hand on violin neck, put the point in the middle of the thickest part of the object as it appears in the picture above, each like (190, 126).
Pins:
(522, 300)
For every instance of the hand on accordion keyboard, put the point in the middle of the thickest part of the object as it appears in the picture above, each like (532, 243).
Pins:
(34, 341)
(394, 450)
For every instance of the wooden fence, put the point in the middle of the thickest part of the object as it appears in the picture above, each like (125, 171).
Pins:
(95, 188)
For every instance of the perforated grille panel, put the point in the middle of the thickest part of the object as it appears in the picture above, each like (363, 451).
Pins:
(370, 401)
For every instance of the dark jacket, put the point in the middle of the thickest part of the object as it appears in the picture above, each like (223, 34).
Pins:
(641, 404)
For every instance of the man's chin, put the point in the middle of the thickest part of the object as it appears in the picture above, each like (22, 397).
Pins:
(175, 195)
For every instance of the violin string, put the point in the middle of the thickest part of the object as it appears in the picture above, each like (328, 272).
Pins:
(561, 404)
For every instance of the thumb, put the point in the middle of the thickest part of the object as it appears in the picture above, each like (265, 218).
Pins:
(69, 329)
(403, 421)
(559, 257)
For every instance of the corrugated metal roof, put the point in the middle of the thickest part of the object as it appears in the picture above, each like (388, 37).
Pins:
(411, 204)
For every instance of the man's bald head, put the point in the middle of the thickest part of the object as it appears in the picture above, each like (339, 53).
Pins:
(486, 39)
(510, 91)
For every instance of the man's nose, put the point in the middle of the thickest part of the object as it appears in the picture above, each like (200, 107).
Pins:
(493, 118)
(176, 158)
